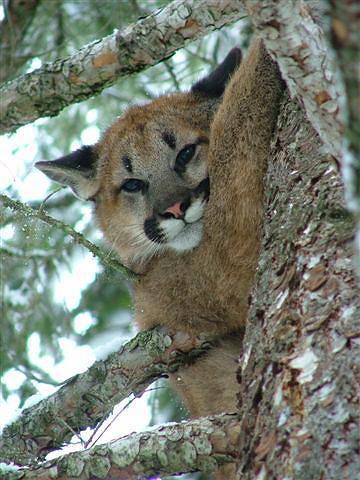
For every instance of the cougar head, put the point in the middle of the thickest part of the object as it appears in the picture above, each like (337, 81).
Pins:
(148, 174)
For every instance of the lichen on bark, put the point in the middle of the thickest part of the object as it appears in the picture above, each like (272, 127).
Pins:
(86, 400)
(169, 449)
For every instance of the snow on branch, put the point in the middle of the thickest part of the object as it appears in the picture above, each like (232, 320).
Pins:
(87, 399)
(47, 90)
(202, 444)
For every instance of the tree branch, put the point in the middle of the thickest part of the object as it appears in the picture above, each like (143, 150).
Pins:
(202, 444)
(40, 214)
(46, 91)
(88, 398)
(18, 17)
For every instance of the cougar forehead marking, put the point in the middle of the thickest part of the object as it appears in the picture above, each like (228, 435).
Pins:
(127, 164)
(170, 139)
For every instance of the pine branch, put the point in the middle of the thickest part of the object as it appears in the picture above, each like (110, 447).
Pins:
(40, 214)
(47, 90)
(201, 444)
(88, 398)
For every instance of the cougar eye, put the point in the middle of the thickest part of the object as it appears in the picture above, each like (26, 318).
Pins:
(133, 185)
(184, 157)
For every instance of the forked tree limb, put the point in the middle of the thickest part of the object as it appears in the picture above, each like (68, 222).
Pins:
(47, 90)
(88, 398)
(307, 63)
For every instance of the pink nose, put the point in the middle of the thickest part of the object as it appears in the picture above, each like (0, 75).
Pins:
(175, 210)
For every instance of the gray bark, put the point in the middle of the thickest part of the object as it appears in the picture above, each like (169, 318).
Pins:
(299, 376)
(299, 47)
(327, 90)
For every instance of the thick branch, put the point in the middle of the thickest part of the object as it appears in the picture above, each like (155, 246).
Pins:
(88, 398)
(298, 45)
(18, 17)
(46, 91)
(201, 444)
(40, 214)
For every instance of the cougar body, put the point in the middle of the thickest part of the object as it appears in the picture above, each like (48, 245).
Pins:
(178, 190)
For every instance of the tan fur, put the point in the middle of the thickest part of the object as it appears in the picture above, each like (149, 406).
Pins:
(205, 289)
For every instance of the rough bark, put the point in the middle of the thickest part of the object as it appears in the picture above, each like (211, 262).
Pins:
(175, 448)
(87, 399)
(299, 47)
(47, 90)
(299, 383)
(18, 17)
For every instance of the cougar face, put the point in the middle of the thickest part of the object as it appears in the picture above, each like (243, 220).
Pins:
(148, 174)
(153, 179)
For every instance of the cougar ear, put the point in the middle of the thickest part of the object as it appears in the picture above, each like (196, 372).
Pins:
(213, 85)
(76, 170)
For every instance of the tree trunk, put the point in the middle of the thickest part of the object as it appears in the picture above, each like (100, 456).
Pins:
(298, 388)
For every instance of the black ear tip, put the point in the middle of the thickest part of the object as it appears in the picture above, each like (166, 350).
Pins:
(235, 55)
(214, 84)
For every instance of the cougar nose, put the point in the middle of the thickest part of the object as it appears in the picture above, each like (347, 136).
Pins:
(175, 210)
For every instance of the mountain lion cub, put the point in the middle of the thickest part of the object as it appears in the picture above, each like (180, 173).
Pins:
(177, 187)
